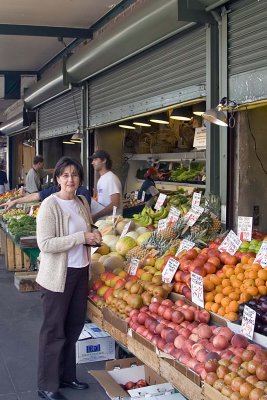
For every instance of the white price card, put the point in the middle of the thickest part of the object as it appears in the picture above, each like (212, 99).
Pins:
(185, 245)
(244, 228)
(143, 196)
(133, 267)
(93, 249)
(114, 213)
(31, 211)
(230, 244)
(160, 201)
(261, 257)
(197, 289)
(200, 138)
(173, 215)
(196, 199)
(162, 224)
(169, 270)
(136, 195)
(125, 229)
(193, 215)
(248, 322)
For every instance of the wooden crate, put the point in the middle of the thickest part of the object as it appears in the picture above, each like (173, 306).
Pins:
(2, 242)
(25, 281)
(119, 336)
(144, 354)
(15, 259)
(94, 313)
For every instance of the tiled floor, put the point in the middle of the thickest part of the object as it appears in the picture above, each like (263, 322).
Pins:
(20, 319)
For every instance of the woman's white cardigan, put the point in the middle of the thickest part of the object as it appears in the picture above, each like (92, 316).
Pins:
(54, 241)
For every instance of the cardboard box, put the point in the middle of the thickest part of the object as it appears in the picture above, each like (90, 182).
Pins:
(94, 344)
(131, 369)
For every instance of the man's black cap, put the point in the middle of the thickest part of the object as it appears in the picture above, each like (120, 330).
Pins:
(102, 154)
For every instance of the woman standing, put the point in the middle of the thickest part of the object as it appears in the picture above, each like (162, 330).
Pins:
(63, 229)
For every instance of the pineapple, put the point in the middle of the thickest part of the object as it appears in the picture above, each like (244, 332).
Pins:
(157, 242)
(213, 206)
(137, 252)
(174, 230)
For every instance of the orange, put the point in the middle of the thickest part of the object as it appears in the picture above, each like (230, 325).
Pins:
(208, 285)
(208, 305)
(255, 267)
(221, 311)
(227, 290)
(259, 282)
(237, 290)
(248, 283)
(244, 259)
(225, 301)
(219, 289)
(241, 276)
(262, 273)
(209, 297)
(226, 282)
(236, 283)
(233, 306)
(234, 296)
(229, 272)
(215, 307)
(218, 298)
(253, 290)
(232, 316)
(262, 290)
(253, 274)
(244, 297)
(251, 260)
(215, 279)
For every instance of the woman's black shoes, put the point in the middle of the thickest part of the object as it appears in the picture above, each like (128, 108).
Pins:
(43, 394)
(74, 385)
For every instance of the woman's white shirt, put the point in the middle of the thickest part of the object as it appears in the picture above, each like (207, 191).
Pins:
(78, 255)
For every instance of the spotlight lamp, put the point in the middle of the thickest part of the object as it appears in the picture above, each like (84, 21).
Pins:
(199, 109)
(182, 114)
(125, 126)
(218, 117)
(160, 118)
(142, 122)
(77, 136)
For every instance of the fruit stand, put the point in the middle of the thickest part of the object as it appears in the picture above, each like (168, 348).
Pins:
(198, 336)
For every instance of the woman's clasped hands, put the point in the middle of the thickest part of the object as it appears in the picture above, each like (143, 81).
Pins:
(93, 238)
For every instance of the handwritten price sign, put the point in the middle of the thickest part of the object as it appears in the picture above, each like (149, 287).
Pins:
(93, 250)
(133, 267)
(173, 215)
(160, 201)
(244, 228)
(193, 215)
(185, 245)
(230, 244)
(114, 213)
(196, 199)
(169, 270)
(197, 289)
(248, 322)
(143, 196)
(261, 257)
(162, 224)
(125, 229)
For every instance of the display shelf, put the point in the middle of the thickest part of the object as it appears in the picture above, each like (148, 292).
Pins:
(168, 183)
(181, 156)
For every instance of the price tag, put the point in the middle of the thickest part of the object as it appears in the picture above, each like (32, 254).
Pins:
(185, 245)
(169, 270)
(133, 267)
(200, 138)
(31, 211)
(196, 199)
(114, 213)
(173, 215)
(143, 196)
(160, 201)
(193, 215)
(136, 195)
(261, 257)
(162, 224)
(93, 250)
(230, 244)
(197, 289)
(248, 322)
(125, 229)
(244, 228)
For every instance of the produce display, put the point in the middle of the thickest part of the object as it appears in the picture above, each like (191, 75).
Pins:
(10, 195)
(195, 173)
(22, 226)
(7, 215)
(260, 306)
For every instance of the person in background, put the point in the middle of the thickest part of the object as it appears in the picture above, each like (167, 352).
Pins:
(109, 190)
(3, 180)
(149, 186)
(36, 174)
(64, 238)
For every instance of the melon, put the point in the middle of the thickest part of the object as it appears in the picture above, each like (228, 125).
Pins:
(143, 237)
(133, 235)
(114, 253)
(103, 258)
(141, 229)
(108, 239)
(103, 249)
(112, 263)
(97, 268)
(124, 245)
(95, 257)
(121, 224)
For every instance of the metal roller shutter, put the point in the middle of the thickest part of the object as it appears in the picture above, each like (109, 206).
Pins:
(59, 116)
(170, 72)
(247, 36)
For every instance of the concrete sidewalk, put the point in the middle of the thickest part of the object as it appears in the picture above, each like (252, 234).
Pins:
(20, 320)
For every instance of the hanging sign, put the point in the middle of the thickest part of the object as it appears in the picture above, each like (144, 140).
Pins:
(169, 270)
(133, 267)
(173, 215)
(230, 244)
(244, 228)
(185, 245)
(125, 229)
(200, 138)
(197, 289)
(196, 199)
(248, 322)
(162, 224)
(94, 249)
(160, 201)
(193, 215)
(261, 257)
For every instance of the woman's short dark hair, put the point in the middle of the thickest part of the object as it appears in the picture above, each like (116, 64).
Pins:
(65, 162)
